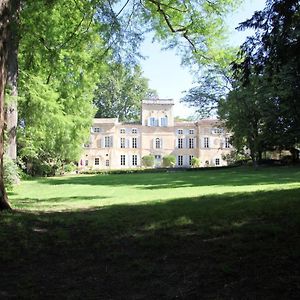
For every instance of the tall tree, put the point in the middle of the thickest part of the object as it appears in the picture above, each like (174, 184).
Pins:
(120, 92)
(121, 27)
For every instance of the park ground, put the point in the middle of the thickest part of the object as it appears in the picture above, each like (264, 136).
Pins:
(209, 234)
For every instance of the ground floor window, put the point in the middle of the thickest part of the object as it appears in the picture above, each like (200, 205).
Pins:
(190, 159)
(86, 163)
(179, 160)
(217, 161)
(97, 161)
(107, 163)
(122, 160)
(134, 160)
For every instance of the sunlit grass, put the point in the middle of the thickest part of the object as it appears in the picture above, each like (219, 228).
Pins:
(86, 191)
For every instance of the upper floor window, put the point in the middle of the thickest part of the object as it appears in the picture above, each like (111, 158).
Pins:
(164, 122)
(134, 131)
(96, 129)
(217, 130)
(180, 131)
(191, 143)
(191, 131)
(122, 142)
(122, 130)
(153, 121)
(134, 142)
(108, 141)
(206, 142)
(180, 143)
(227, 144)
(157, 143)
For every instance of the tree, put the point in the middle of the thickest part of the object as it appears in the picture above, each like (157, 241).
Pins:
(271, 58)
(120, 92)
(169, 161)
(148, 161)
(121, 31)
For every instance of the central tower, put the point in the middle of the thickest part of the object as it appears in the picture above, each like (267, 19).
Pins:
(157, 112)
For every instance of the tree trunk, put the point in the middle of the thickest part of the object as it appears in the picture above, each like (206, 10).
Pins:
(11, 112)
(9, 11)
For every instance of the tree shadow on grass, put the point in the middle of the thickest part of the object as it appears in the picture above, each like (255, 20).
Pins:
(224, 177)
(231, 246)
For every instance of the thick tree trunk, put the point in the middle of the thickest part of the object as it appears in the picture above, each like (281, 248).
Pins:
(11, 112)
(9, 11)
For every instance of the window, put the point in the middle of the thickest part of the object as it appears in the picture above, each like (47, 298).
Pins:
(107, 163)
(86, 162)
(157, 143)
(134, 131)
(86, 145)
(180, 131)
(217, 130)
(134, 142)
(97, 161)
(122, 142)
(122, 160)
(217, 161)
(134, 160)
(152, 121)
(96, 129)
(191, 131)
(157, 157)
(180, 143)
(107, 141)
(122, 130)
(191, 143)
(179, 160)
(227, 144)
(190, 159)
(164, 121)
(206, 142)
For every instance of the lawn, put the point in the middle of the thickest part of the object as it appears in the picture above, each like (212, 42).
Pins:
(209, 234)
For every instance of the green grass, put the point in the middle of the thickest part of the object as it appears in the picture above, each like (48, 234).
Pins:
(213, 234)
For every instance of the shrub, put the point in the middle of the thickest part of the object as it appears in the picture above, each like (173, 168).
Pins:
(196, 162)
(169, 161)
(11, 172)
(148, 160)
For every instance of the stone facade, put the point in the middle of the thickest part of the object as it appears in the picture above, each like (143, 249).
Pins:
(116, 145)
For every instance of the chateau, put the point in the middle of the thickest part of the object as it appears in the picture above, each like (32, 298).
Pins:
(116, 145)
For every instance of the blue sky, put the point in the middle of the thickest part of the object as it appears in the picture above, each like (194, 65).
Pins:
(163, 68)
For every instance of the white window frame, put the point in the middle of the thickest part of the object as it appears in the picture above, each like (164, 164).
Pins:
(122, 142)
(205, 142)
(134, 131)
(217, 162)
(96, 129)
(97, 161)
(191, 143)
(123, 160)
(180, 160)
(134, 160)
(179, 131)
(190, 159)
(191, 131)
(107, 163)
(180, 143)
(107, 142)
(157, 143)
(122, 131)
(134, 142)
(227, 144)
